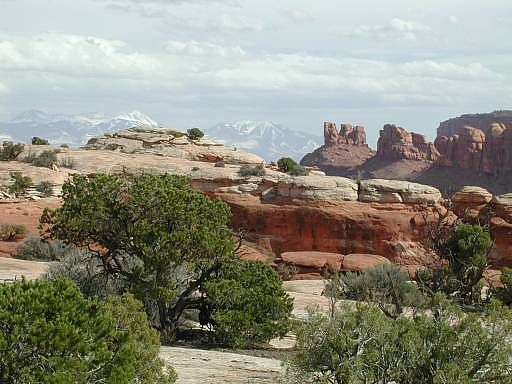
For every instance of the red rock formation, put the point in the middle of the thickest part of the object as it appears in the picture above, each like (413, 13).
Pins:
(346, 148)
(346, 135)
(481, 142)
(395, 143)
(390, 230)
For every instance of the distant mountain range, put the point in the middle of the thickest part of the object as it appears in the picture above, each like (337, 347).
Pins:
(74, 130)
(266, 139)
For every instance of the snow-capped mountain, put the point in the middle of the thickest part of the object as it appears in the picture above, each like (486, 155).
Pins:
(70, 129)
(266, 139)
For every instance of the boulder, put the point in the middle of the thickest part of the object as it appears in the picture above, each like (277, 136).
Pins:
(358, 262)
(318, 261)
(317, 188)
(470, 201)
(394, 191)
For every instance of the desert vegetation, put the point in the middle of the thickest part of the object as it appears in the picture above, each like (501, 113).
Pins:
(290, 166)
(10, 151)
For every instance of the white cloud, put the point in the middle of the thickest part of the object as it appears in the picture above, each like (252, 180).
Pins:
(195, 48)
(297, 15)
(80, 56)
(396, 29)
(63, 63)
(3, 88)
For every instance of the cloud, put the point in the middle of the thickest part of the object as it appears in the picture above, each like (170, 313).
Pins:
(396, 29)
(80, 56)
(191, 69)
(3, 89)
(195, 48)
(297, 15)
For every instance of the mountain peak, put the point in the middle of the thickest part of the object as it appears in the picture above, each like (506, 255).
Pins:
(267, 139)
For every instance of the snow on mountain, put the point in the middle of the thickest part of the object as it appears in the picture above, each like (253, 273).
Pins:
(264, 138)
(75, 130)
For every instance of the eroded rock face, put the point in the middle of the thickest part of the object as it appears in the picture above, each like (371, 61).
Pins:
(347, 134)
(470, 201)
(170, 143)
(395, 143)
(344, 148)
(481, 142)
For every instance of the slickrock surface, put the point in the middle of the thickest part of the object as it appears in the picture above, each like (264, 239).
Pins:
(196, 366)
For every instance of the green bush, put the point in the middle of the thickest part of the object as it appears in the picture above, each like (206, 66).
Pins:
(12, 232)
(286, 164)
(166, 241)
(10, 151)
(21, 183)
(290, 166)
(247, 170)
(465, 253)
(39, 141)
(195, 134)
(385, 284)
(68, 162)
(365, 346)
(247, 304)
(298, 171)
(52, 334)
(45, 159)
(45, 188)
(34, 248)
(177, 231)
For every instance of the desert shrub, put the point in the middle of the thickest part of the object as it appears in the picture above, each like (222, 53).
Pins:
(247, 304)
(287, 271)
(12, 232)
(220, 164)
(290, 166)
(45, 159)
(464, 250)
(79, 266)
(10, 151)
(39, 141)
(195, 169)
(56, 335)
(195, 134)
(68, 162)
(33, 248)
(247, 170)
(64, 146)
(298, 171)
(385, 284)
(365, 346)
(286, 164)
(20, 184)
(45, 188)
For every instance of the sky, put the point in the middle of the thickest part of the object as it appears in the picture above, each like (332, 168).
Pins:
(296, 62)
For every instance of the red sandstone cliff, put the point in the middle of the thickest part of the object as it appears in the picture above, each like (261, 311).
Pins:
(346, 148)
(395, 143)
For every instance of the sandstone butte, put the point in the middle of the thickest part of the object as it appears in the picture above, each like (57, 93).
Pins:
(331, 221)
(469, 150)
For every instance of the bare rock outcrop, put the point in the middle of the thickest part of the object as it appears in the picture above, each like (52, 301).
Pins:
(396, 143)
(346, 148)
(481, 142)
(170, 143)
(394, 191)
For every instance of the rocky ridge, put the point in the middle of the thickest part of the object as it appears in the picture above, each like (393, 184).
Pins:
(280, 213)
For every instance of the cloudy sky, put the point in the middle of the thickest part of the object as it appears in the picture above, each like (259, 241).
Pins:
(297, 62)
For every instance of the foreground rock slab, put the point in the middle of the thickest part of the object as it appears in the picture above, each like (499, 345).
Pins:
(212, 367)
(13, 269)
